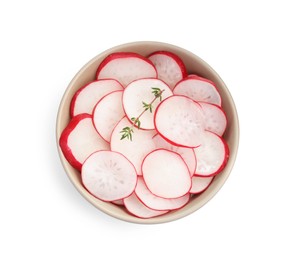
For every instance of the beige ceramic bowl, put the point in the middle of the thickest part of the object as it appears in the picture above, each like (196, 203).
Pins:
(194, 65)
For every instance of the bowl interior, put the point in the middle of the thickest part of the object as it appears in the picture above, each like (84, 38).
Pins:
(194, 65)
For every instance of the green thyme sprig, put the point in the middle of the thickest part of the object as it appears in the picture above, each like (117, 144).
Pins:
(128, 131)
(157, 93)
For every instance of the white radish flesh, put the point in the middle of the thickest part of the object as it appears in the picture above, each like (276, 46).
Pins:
(180, 120)
(199, 184)
(126, 67)
(79, 139)
(187, 153)
(107, 113)
(212, 155)
(137, 208)
(198, 89)
(169, 66)
(215, 118)
(140, 91)
(109, 175)
(166, 174)
(137, 148)
(154, 202)
(87, 97)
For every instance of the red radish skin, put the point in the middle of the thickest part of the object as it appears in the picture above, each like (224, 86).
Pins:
(138, 209)
(118, 202)
(212, 156)
(200, 184)
(134, 150)
(140, 91)
(180, 121)
(187, 154)
(215, 118)
(157, 203)
(170, 68)
(107, 113)
(87, 97)
(166, 174)
(109, 175)
(126, 67)
(79, 139)
(198, 89)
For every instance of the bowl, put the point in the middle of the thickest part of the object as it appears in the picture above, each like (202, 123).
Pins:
(194, 65)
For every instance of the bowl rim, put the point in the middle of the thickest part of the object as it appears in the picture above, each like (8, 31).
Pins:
(179, 213)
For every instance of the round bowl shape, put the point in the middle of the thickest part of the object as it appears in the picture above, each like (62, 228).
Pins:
(194, 65)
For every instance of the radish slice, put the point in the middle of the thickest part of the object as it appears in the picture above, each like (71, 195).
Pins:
(126, 67)
(180, 120)
(140, 91)
(166, 174)
(187, 153)
(134, 150)
(212, 155)
(137, 208)
(86, 97)
(199, 184)
(109, 175)
(199, 89)
(158, 203)
(79, 139)
(170, 68)
(215, 118)
(107, 113)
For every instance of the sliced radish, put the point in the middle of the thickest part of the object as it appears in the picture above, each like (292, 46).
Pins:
(137, 148)
(154, 202)
(180, 120)
(166, 174)
(212, 155)
(86, 97)
(199, 89)
(170, 68)
(109, 175)
(126, 67)
(199, 184)
(137, 208)
(140, 91)
(215, 118)
(107, 113)
(79, 139)
(187, 153)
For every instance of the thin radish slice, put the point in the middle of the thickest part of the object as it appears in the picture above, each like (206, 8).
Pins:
(170, 68)
(107, 113)
(166, 174)
(137, 208)
(199, 184)
(137, 148)
(87, 97)
(198, 89)
(187, 153)
(109, 175)
(79, 139)
(215, 118)
(180, 120)
(212, 155)
(140, 91)
(126, 67)
(157, 203)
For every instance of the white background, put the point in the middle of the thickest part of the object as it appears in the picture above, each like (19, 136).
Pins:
(44, 43)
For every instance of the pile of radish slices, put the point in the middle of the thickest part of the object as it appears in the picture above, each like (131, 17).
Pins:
(145, 135)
